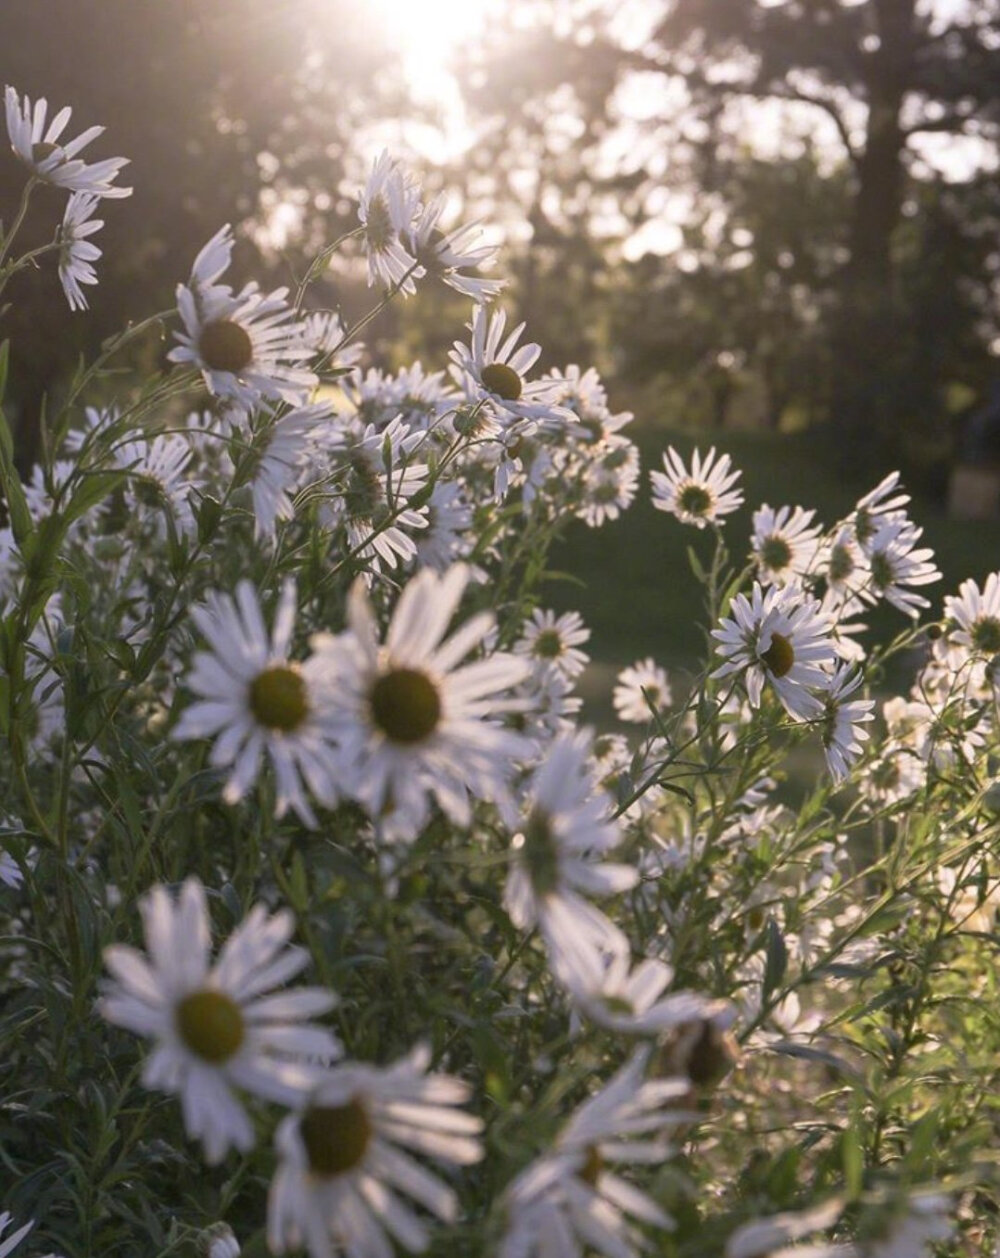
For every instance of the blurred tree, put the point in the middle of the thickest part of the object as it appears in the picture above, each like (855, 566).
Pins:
(696, 99)
(236, 111)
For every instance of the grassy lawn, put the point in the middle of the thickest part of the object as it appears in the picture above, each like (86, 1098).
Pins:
(638, 594)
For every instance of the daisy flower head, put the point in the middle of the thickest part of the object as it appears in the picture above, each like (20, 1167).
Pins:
(784, 543)
(222, 1242)
(572, 1200)
(324, 332)
(413, 722)
(254, 700)
(610, 482)
(897, 563)
(974, 616)
(347, 1178)
(14, 1238)
(844, 565)
(281, 450)
(553, 642)
(76, 252)
(912, 1228)
(53, 160)
(700, 496)
(878, 507)
(448, 536)
(248, 346)
(780, 637)
(222, 1026)
(444, 256)
(387, 207)
(585, 395)
(630, 999)
(842, 721)
(642, 690)
(497, 369)
(380, 475)
(557, 859)
(10, 870)
(156, 478)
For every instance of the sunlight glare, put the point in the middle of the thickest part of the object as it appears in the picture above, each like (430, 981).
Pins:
(428, 34)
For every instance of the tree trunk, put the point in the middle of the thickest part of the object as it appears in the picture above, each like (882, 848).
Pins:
(869, 344)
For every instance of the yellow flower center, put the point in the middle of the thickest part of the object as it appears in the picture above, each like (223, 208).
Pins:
(541, 852)
(841, 563)
(225, 346)
(694, 499)
(278, 698)
(779, 656)
(592, 1166)
(405, 705)
(379, 231)
(502, 380)
(775, 553)
(211, 1025)
(986, 635)
(42, 150)
(548, 645)
(336, 1136)
(883, 573)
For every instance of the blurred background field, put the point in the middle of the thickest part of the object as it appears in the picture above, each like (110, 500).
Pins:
(772, 226)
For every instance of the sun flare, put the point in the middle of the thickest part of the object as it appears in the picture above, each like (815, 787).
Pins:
(427, 34)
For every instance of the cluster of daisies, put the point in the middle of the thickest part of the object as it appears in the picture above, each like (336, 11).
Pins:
(307, 583)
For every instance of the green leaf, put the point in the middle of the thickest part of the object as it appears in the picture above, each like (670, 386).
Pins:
(21, 523)
(777, 958)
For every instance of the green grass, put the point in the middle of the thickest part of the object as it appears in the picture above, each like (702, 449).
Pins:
(638, 594)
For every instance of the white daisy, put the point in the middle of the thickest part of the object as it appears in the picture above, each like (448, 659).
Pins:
(844, 565)
(387, 207)
(156, 478)
(281, 448)
(703, 1050)
(896, 563)
(222, 1242)
(630, 999)
(784, 542)
(553, 642)
(248, 346)
(974, 616)
(763, 1236)
(570, 1201)
(877, 508)
(557, 859)
(76, 253)
(218, 1026)
(698, 497)
(498, 369)
(842, 721)
(14, 1239)
(413, 724)
(346, 1160)
(448, 536)
(777, 637)
(611, 481)
(52, 160)
(10, 870)
(444, 257)
(641, 690)
(255, 699)
(380, 475)
(324, 332)
(583, 392)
